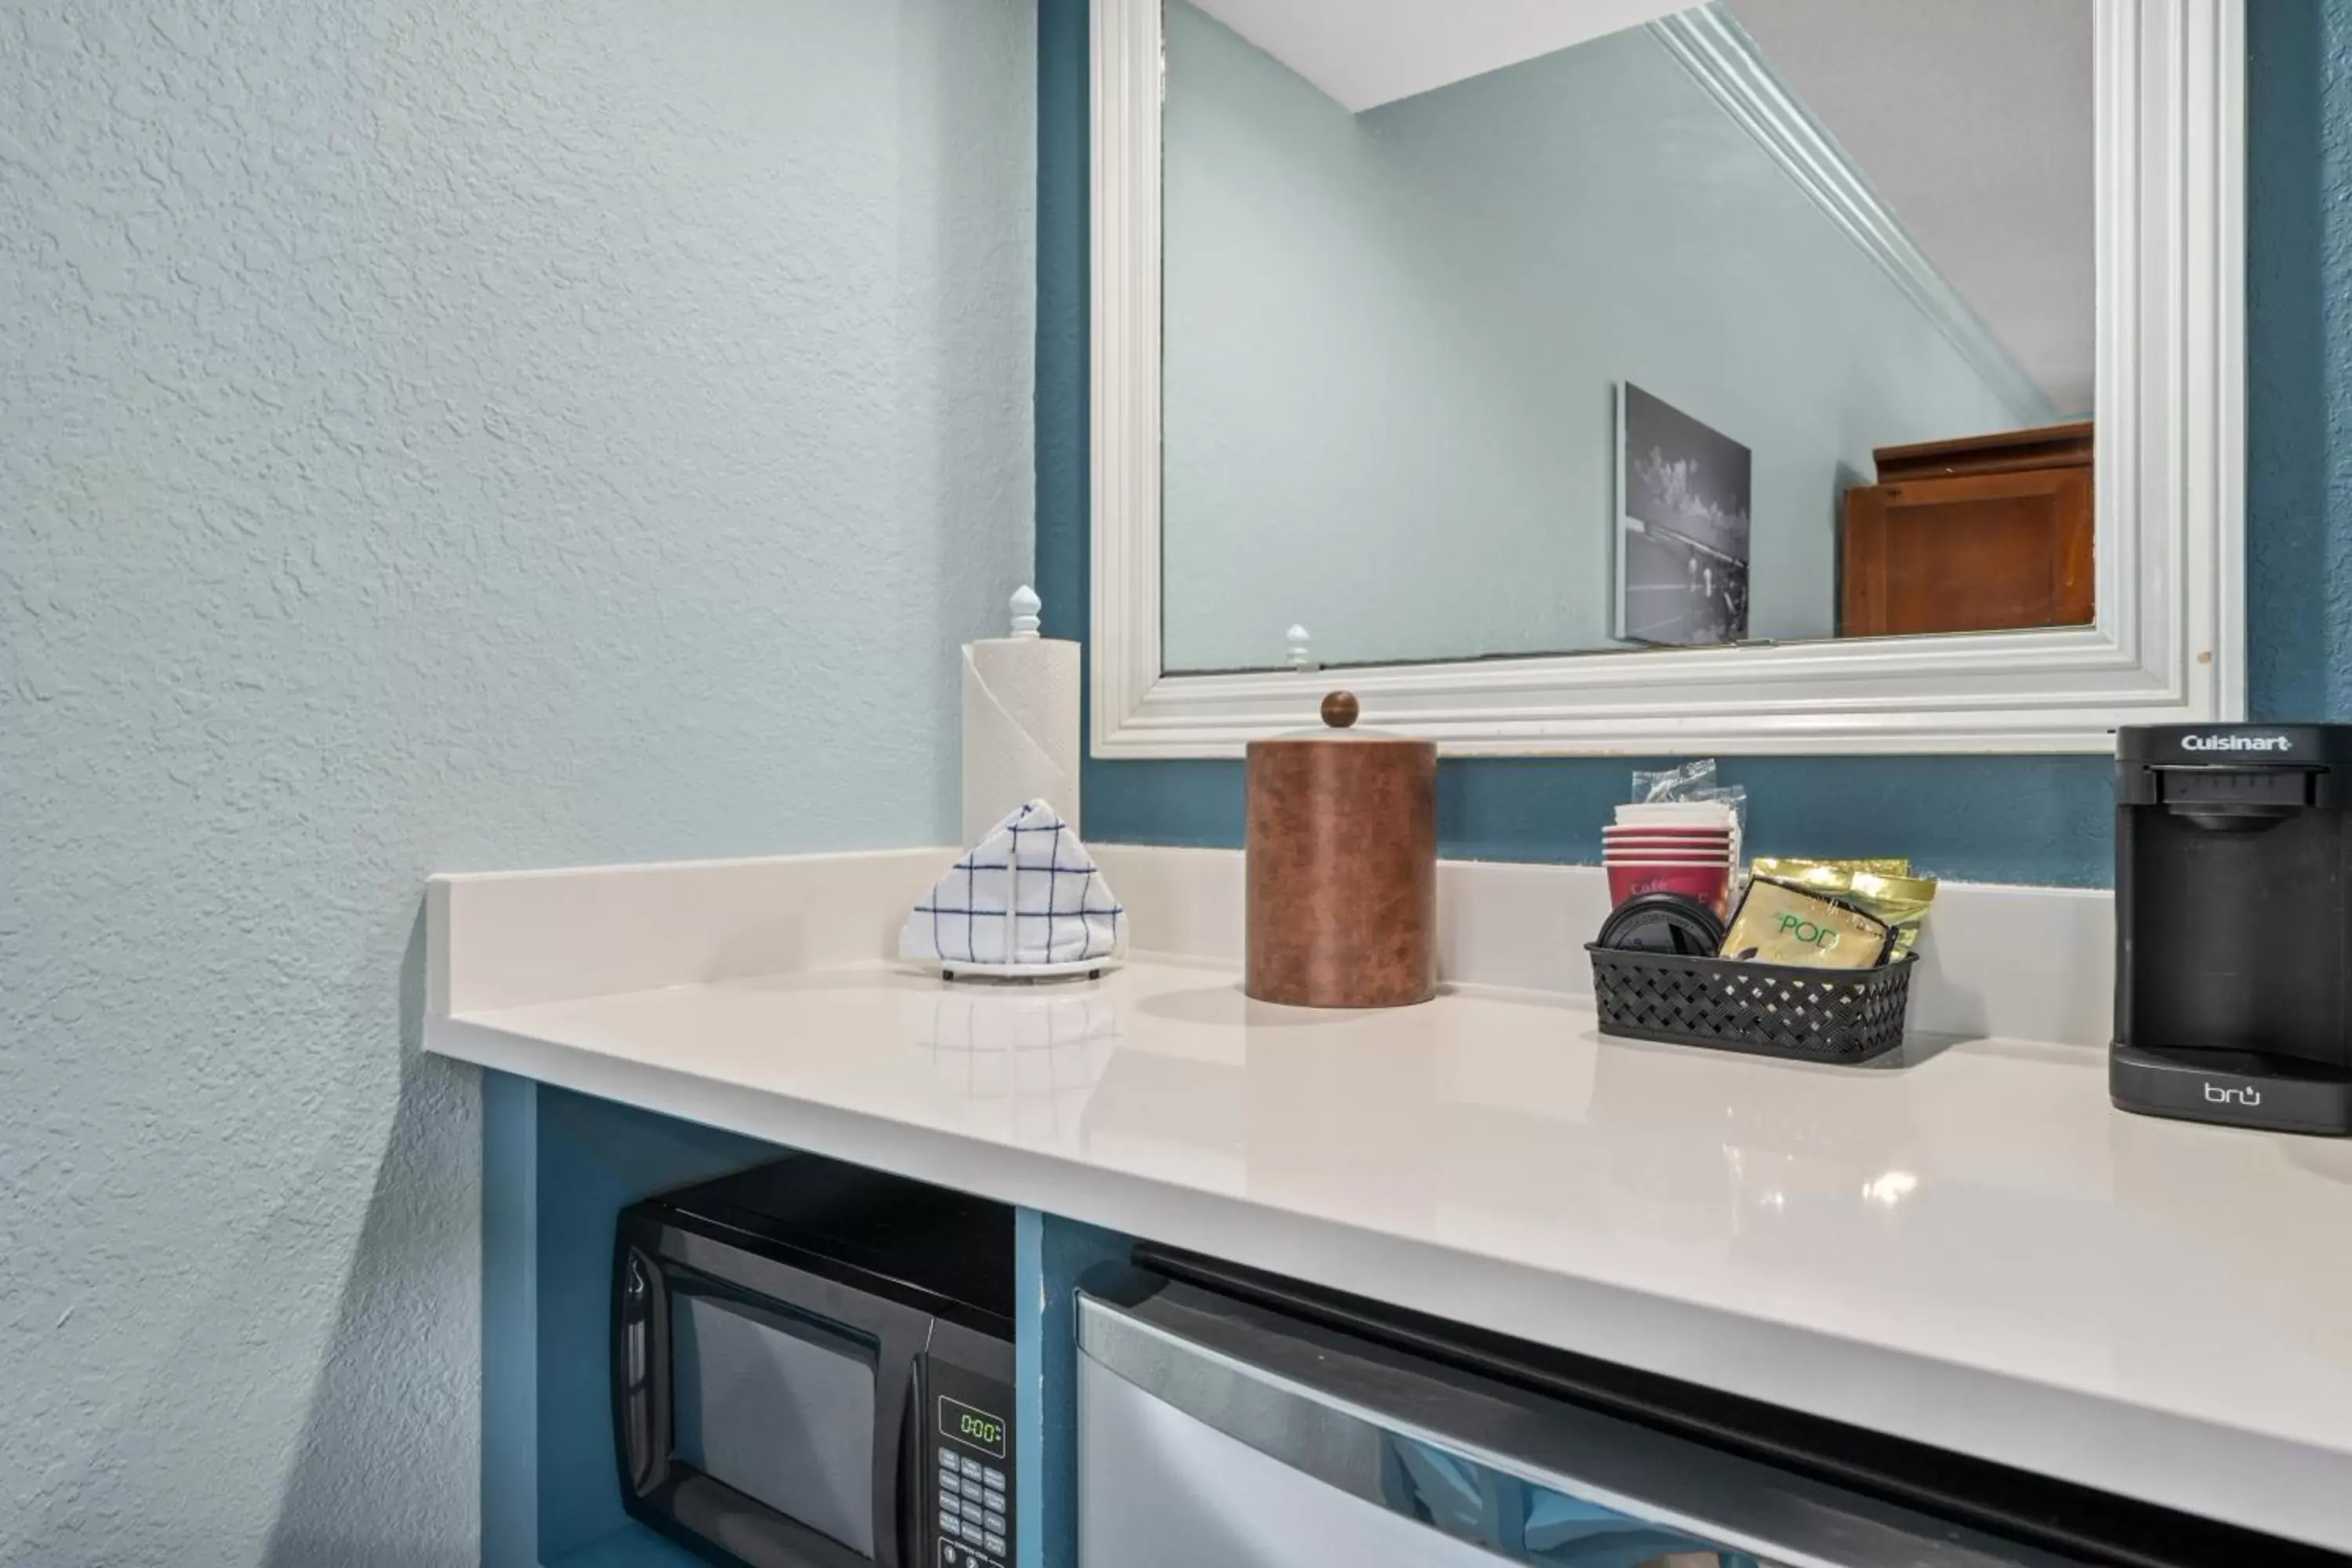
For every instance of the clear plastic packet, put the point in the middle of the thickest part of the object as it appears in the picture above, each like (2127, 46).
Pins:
(1674, 784)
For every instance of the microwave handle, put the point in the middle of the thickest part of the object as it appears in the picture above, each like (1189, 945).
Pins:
(911, 1513)
(633, 1354)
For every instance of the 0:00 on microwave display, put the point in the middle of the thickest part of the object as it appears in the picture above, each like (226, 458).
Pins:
(977, 1427)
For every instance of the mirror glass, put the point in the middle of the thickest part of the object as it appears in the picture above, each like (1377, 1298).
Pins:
(1500, 327)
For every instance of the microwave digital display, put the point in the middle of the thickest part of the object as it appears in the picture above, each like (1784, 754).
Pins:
(976, 1427)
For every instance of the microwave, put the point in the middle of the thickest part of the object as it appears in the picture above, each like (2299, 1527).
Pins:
(812, 1368)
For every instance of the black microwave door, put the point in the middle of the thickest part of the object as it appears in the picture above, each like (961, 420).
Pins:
(764, 1415)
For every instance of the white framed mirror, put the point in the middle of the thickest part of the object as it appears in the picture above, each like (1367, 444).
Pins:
(1815, 415)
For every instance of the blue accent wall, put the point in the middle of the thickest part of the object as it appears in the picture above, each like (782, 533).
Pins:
(2018, 819)
(510, 1321)
(2299, 358)
(1052, 1254)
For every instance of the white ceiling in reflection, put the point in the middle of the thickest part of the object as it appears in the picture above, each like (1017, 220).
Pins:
(1973, 122)
(1366, 53)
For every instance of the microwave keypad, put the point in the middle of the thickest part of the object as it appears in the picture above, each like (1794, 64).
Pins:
(970, 1445)
(973, 1512)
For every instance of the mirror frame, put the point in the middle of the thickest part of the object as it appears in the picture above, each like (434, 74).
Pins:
(2169, 646)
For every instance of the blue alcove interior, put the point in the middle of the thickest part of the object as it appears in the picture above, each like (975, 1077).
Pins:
(548, 1473)
(557, 1168)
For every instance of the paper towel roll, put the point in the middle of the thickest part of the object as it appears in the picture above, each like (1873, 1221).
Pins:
(1020, 730)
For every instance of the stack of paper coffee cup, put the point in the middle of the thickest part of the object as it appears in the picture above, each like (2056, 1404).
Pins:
(1671, 847)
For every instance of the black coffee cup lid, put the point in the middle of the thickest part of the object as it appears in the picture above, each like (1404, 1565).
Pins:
(1663, 923)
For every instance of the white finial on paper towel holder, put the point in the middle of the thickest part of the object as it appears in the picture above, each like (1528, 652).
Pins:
(1025, 605)
(1301, 656)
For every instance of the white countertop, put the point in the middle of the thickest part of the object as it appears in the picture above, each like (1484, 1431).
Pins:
(1972, 1250)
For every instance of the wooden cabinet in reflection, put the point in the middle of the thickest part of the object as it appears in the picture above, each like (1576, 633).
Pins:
(1983, 534)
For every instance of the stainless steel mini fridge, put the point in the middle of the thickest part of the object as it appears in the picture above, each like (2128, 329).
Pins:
(1231, 1419)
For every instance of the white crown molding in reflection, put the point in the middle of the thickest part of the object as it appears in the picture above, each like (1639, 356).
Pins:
(2169, 646)
(1711, 45)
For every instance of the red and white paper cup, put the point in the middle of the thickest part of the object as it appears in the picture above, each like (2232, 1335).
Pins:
(1708, 881)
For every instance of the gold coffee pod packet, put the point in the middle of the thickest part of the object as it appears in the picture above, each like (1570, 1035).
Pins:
(1780, 924)
(1884, 888)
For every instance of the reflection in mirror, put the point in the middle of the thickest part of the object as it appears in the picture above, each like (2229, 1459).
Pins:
(1600, 326)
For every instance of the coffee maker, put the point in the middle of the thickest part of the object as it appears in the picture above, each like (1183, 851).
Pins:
(2233, 925)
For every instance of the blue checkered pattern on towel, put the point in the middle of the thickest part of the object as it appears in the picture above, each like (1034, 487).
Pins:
(1027, 894)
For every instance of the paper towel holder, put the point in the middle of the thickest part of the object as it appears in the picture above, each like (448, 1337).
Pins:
(1022, 718)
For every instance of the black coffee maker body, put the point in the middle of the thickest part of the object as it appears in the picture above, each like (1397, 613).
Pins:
(2233, 925)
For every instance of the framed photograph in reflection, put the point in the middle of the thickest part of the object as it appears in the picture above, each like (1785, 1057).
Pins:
(1683, 509)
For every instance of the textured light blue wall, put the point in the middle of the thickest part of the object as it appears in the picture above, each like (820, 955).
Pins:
(432, 434)
(1393, 339)
(2024, 819)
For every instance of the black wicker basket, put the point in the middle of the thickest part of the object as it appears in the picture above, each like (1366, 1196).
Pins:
(1775, 1009)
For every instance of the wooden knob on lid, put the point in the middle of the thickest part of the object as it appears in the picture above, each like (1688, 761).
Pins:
(1340, 709)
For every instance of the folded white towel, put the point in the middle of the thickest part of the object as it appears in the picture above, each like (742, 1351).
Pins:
(1026, 896)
